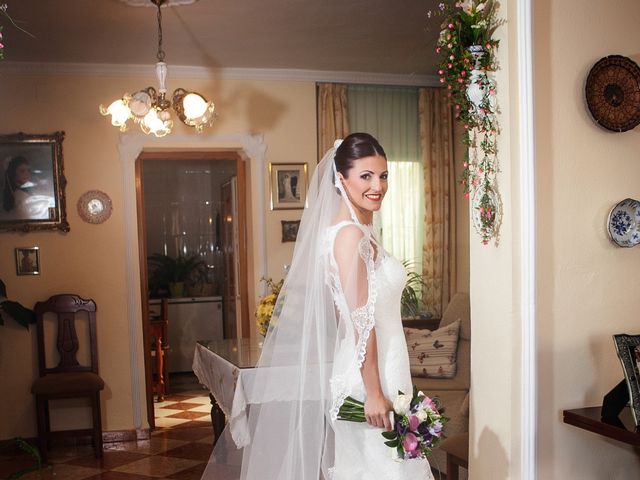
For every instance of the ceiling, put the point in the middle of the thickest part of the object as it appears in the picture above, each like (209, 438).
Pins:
(374, 36)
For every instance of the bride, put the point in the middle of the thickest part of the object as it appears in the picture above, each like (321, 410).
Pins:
(336, 331)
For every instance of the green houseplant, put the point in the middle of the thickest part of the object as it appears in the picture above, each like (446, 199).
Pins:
(411, 306)
(15, 310)
(172, 274)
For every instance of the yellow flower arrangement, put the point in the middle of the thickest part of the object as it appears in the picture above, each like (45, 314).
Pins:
(266, 306)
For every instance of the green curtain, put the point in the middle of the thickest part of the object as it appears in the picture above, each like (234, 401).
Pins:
(391, 115)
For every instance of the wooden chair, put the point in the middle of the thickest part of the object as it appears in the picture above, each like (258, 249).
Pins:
(68, 379)
(158, 335)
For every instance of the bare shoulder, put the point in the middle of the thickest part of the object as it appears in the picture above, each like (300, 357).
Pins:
(347, 241)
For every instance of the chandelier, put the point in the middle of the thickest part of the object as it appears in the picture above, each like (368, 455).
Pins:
(152, 110)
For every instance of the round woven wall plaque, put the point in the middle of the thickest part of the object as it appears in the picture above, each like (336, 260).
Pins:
(613, 93)
(94, 206)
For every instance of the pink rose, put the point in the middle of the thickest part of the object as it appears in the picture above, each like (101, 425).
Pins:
(414, 422)
(410, 442)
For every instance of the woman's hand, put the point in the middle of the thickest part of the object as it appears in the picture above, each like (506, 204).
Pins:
(376, 411)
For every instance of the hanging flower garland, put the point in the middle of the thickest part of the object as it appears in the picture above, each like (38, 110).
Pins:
(5, 15)
(467, 67)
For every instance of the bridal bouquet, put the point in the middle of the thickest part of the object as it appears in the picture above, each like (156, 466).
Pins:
(417, 424)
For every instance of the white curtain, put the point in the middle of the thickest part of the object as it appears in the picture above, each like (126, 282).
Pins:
(391, 115)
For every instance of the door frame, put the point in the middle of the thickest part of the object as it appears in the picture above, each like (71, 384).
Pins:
(176, 156)
(130, 144)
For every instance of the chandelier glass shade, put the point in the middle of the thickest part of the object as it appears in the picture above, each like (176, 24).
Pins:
(151, 109)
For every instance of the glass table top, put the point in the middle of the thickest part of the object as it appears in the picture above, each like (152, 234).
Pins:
(242, 352)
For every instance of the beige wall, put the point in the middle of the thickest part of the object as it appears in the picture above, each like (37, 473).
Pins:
(89, 260)
(494, 273)
(587, 287)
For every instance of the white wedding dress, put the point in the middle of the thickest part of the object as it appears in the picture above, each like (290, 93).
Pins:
(360, 452)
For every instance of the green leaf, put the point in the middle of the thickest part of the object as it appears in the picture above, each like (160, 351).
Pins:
(392, 444)
(390, 435)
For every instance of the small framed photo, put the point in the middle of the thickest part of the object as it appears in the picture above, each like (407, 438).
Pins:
(28, 261)
(290, 230)
(628, 350)
(288, 184)
(32, 183)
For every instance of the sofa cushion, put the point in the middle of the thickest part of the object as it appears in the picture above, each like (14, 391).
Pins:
(433, 354)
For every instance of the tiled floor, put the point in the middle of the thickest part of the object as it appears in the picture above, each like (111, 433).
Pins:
(178, 449)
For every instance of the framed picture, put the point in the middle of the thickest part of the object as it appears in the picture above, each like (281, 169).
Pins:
(288, 183)
(32, 183)
(28, 261)
(290, 230)
(628, 349)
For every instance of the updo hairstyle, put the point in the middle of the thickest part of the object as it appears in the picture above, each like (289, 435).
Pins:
(354, 147)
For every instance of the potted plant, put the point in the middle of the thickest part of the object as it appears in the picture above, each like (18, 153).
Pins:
(410, 301)
(14, 310)
(171, 274)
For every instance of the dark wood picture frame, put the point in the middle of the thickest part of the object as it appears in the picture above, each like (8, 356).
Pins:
(290, 230)
(32, 185)
(628, 350)
(28, 261)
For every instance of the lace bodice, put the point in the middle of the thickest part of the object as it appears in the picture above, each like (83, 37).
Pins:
(386, 278)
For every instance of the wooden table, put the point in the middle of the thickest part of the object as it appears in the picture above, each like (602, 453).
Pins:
(621, 428)
(224, 366)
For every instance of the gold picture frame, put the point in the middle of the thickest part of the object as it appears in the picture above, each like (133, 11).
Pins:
(288, 184)
(32, 183)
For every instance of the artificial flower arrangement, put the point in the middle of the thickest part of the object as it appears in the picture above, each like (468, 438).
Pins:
(266, 306)
(3, 13)
(467, 50)
(417, 424)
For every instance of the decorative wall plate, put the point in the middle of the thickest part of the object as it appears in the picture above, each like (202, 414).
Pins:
(613, 93)
(623, 223)
(94, 206)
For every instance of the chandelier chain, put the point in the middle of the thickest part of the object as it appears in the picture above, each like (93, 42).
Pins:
(160, 55)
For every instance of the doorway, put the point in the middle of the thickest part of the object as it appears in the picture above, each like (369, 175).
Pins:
(193, 253)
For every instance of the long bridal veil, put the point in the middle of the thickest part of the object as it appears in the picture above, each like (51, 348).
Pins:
(316, 337)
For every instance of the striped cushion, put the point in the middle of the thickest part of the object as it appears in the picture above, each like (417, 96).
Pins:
(432, 354)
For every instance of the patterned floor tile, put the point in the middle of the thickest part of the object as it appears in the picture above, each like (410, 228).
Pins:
(164, 412)
(62, 470)
(190, 415)
(182, 406)
(192, 451)
(202, 408)
(120, 476)
(187, 434)
(166, 422)
(153, 446)
(193, 473)
(109, 460)
(157, 466)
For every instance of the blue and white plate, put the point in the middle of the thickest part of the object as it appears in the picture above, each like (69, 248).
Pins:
(623, 223)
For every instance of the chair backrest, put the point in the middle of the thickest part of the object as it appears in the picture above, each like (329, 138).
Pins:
(65, 308)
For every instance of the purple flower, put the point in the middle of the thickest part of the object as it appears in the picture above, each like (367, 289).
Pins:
(414, 422)
(410, 442)
(401, 429)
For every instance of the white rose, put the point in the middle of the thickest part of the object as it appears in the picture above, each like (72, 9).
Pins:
(401, 404)
(422, 415)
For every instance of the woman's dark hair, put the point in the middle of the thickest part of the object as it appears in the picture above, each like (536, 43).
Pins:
(354, 147)
(10, 185)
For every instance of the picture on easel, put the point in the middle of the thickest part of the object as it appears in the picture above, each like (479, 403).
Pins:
(628, 350)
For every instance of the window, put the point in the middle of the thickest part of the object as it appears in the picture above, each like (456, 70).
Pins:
(391, 115)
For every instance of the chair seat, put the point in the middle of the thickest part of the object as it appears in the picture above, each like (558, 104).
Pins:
(66, 383)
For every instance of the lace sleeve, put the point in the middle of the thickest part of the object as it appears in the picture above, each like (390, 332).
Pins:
(352, 280)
